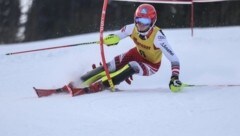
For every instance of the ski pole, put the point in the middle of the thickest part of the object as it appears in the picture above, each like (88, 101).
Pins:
(50, 48)
(218, 85)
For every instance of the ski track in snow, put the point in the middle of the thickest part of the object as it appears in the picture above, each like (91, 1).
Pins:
(146, 108)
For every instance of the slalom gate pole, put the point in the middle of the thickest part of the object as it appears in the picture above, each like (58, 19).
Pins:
(219, 85)
(50, 48)
(192, 17)
(104, 8)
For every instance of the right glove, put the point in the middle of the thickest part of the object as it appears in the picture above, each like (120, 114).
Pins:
(111, 39)
(175, 84)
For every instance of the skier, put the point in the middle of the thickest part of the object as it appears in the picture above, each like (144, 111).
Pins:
(144, 59)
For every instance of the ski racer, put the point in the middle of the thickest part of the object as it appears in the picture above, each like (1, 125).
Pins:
(144, 59)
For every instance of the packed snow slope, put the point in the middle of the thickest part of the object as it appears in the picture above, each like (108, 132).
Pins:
(146, 108)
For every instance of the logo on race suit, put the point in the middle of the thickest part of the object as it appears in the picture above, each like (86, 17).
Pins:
(144, 11)
(167, 49)
(160, 37)
(123, 29)
(140, 44)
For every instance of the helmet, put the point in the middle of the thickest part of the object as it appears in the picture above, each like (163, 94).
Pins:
(145, 18)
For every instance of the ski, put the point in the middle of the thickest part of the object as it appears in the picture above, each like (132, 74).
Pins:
(68, 89)
(46, 92)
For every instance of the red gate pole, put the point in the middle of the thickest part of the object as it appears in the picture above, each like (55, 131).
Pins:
(104, 9)
(192, 17)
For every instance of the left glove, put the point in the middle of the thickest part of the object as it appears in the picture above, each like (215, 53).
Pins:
(175, 84)
(111, 39)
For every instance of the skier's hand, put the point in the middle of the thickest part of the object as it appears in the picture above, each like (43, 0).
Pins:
(111, 39)
(175, 84)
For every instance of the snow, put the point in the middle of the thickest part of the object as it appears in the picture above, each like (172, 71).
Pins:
(146, 108)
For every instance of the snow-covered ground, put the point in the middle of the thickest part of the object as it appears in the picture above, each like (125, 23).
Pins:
(146, 108)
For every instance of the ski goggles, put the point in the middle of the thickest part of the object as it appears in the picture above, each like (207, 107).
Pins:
(144, 21)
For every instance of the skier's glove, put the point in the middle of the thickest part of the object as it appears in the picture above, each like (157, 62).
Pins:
(175, 84)
(111, 39)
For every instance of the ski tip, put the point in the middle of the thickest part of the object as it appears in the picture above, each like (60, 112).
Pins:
(35, 89)
(8, 54)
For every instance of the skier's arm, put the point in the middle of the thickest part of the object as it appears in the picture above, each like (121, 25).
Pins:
(113, 39)
(161, 42)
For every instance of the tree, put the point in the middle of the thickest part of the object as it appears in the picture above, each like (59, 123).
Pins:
(9, 20)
